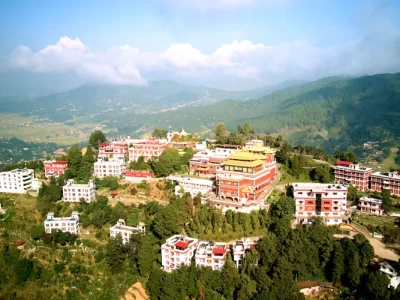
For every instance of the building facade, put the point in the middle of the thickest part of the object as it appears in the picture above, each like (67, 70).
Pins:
(64, 224)
(147, 148)
(243, 180)
(239, 250)
(176, 251)
(206, 162)
(125, 231)
(55, 168)
(194, 186)
(111, 167)
(391, 273)
(354, 174)
(17, 181)
(211, 254)
(73, 192)
(327, 201)
(390, 181)
(370, 206)
(115, 150)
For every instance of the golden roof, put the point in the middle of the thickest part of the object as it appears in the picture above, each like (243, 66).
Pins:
(245, 155)
(243, 163)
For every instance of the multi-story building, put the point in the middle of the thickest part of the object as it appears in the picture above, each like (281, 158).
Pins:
(125, 231)
(391, 273)
(239, 250)
(64, 224)
(327, 201)
(55, 168)
(243, 180)
(112, 167)
(194, 186)
(17, 181)
(354, 174)
(206, 162)
(73, 192)
(211, 254)
(389, 181)
(147, 148)
(370, 206)
(115, 150)
(176, 251)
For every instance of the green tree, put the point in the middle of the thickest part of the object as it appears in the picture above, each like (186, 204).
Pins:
(146, 256)
(89, 155)
(246, 129)
(221, 132)
(387, 200)
(96, 138)
(115, 255)
(374, 286)
(338, 266)
(159, 133)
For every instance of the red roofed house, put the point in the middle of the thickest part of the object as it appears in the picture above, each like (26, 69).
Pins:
(211, 254)
(134, 175)
(176, 251)
(54, 168)
(116, 150)
(354, 174)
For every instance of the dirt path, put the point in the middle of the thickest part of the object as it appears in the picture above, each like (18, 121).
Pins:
(136, 292)
(379, 247)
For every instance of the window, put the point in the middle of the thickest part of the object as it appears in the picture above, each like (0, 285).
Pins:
(300, 193)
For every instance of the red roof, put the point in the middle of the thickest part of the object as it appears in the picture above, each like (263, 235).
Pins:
(220, 251)
(343, 162)
(138, 174)
(60, 162)
(104, 144)
(20, 243)
(181, 244)
(114, 193)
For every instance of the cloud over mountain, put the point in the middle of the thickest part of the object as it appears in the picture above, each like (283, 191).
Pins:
(230, 64)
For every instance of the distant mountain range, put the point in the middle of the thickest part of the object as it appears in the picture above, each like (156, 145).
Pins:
(331, 112)
(93, 99)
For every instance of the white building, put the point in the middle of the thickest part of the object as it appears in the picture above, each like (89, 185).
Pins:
(211, 254)
(239, 250)
(176, 251)
(64, 224)
(327, 201)
(370, 206)
(73, 192)
(390, 272)
(113, 167)
(125, 231)
(17, 181)
(193, 186)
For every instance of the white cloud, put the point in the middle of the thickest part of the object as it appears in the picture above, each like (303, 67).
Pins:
(240, 64)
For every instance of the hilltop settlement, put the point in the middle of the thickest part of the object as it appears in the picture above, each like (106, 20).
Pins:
(241, 216)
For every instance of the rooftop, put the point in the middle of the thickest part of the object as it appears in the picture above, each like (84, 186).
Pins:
(387, 175)
(317, 186)
(379, 201)
(248, 156)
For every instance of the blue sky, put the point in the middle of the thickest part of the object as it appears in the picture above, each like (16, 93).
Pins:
(288, 38)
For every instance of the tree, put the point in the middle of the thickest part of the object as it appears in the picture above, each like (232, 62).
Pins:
(221, 132)
(246, 129)
(115, 255)
(387, 200)
(231, 278)
(89, 155)
(337, 263)
(159, 133)
(168, 163)
(374, 286)
(74, 158)
(96, 138)
(146, 256)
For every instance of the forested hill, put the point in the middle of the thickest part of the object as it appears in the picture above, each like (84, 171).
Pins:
(330, 111)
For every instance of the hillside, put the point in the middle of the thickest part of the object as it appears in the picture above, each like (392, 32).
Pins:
(334, 111)
(90, 100)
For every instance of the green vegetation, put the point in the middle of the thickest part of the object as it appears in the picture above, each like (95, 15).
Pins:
(96, 138)
(159, 133)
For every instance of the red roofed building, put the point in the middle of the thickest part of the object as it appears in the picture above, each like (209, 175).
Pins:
(54, 168)
(211, 254)
(354, 174)
(134, 175)
(115, 150)
(176, 251)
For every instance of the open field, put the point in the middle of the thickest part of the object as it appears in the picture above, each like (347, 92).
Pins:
(32, 129)
(375, 220)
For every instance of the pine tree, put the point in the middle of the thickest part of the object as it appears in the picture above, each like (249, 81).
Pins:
(338, 263)
(146, 256)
